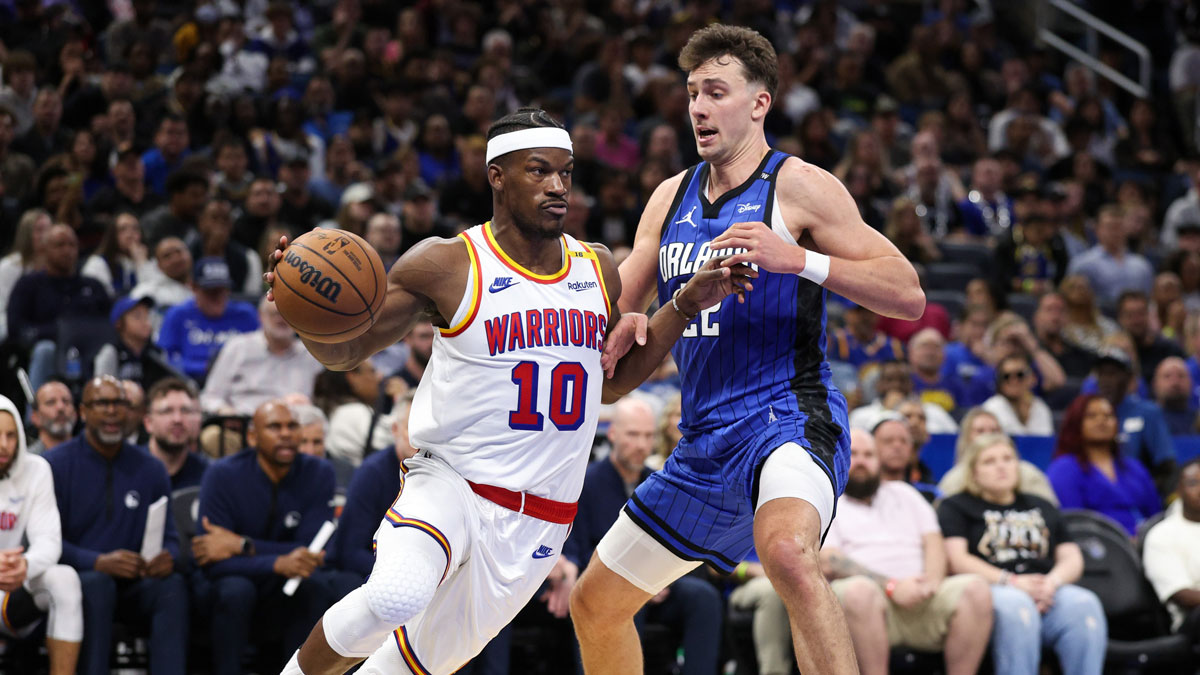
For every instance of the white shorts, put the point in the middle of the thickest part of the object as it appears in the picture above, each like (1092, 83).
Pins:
(641, 560)
(498, 560)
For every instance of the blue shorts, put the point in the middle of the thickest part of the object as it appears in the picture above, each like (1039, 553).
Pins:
(701, 504)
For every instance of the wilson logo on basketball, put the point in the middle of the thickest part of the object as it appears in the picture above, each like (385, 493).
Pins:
(325, 287)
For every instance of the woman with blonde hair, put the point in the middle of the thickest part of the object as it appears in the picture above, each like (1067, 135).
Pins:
(26, 256)
(668, 432)
(1019, 544)
(979, 422)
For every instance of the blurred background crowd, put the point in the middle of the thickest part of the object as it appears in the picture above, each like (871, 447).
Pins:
(153, 151)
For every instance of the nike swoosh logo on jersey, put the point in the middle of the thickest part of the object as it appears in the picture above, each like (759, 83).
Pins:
(501, 283)
(543, 552)
(16, 500)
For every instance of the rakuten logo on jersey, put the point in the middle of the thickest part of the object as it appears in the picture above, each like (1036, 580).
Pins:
(581, 285)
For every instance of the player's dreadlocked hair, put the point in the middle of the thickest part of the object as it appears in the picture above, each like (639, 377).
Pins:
(523, 118)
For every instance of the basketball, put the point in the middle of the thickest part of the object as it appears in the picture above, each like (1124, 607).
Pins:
(330, 285)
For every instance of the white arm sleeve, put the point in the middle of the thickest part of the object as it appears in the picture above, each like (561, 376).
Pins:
(43, 527)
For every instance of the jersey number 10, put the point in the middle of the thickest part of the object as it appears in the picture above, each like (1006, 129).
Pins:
(568, 385)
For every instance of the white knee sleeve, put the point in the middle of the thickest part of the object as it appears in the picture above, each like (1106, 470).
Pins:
(402, 583)
(57, 592)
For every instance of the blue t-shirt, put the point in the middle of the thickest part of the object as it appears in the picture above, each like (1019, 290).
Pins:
(977, 379)
(157, 169)
(1143, 432)
(1129, 500)
(191, 340)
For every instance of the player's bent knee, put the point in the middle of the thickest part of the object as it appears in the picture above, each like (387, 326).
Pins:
(351, 627)
(402, 585)
(795, 564)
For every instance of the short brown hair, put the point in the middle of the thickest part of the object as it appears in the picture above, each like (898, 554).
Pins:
(759, 61)
(170, 384)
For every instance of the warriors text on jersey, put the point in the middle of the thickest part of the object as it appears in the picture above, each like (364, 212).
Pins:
(511, 394)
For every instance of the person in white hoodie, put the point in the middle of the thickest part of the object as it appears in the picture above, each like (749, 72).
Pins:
(31, 583)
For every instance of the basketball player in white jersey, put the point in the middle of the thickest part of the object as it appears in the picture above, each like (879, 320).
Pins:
(30, 582)
(504, 416)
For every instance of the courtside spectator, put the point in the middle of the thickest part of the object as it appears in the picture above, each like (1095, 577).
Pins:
(255, 367)
(33, 583)
(1090, 471)
(122, 257)
(885, 556)
(1019, 410)
(978, 422)
(1142, 431)
(171, 282)
(1019, 544)
(276, 499)
(53, 413)
(1172, 386)
(40, 299)
(193, 332)
(173, 422)
(314, 427)
(132, 356)
(103, 523)
(349, 399)
(894, 385)
(1172, 552)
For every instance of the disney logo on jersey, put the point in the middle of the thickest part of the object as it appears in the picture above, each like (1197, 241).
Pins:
(501, 283)
(742, 208)
(686, 258)
(581, 285)
(687, 219)
(545, 328)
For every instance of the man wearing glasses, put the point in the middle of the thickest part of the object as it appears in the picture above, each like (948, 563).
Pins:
(104, 487)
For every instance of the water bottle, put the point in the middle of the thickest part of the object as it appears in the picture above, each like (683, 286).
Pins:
(74, 367)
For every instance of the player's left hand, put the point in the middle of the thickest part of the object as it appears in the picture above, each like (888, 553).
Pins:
(630, 328)
(713, 283)
(562, 579)
(160, 566)
(763, 247)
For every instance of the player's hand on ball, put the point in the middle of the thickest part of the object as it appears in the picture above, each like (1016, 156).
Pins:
(273, 260)
(629, 329)
(713, 283)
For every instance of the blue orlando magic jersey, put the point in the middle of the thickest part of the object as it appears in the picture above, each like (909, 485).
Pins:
(753, 374)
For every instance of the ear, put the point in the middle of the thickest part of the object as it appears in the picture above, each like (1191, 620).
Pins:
(762, 105)
(495, 176)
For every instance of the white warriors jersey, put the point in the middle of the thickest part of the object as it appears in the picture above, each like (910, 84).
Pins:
(511, 394)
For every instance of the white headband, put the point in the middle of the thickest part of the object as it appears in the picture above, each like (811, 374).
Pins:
(541, 137)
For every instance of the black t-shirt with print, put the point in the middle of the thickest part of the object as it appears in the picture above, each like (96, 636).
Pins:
(1019, 537)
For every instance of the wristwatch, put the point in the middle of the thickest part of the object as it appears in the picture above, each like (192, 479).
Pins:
(247, 546)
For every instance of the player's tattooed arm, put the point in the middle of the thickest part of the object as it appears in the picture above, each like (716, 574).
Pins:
(837, 565)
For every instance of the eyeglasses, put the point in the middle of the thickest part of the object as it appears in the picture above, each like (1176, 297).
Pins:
(107, 403)
(176, 411)
(1014, 375)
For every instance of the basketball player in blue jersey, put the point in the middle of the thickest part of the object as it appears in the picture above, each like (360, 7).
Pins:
(765, 447)
(504, 417)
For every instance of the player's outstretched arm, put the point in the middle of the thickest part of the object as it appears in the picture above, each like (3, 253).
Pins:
(431, 272)
(863, 265)
(707, 287)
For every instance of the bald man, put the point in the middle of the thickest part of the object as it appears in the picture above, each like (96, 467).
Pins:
(262, 507)
(690, 605)
(40, 298)
(105, 487)
(1173, 393)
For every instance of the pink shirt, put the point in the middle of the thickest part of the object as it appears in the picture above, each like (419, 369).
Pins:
(888, 535)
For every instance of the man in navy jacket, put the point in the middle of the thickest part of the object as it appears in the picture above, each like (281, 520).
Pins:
(104, 488)
(690, 604)
(275, 499)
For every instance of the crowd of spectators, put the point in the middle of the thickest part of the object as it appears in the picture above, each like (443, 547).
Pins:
(152, 152)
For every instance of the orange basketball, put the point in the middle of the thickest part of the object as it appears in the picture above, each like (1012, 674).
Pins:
(330, 285)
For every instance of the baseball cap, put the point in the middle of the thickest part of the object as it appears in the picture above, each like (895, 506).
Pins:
(1114, 355)
(418, 189)
(359, 192)
(213, 272)
(122, 306)
(1188, 226)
